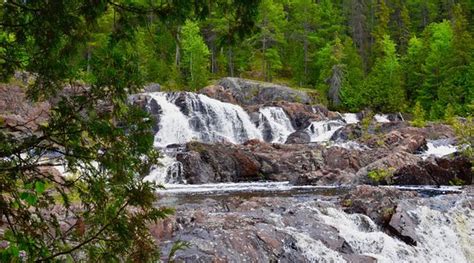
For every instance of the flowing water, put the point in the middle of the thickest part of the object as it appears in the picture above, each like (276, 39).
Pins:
(184, 117)
(439, 148)
(350, 118)
(383, 118)
(274, 123)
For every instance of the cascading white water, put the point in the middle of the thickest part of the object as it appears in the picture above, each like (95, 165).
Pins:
(166, 173)
(277, 121)
(444, 236)
(320, 131)
(439, 241)
(439, 148)
(350, 118)
(174, 125)
(383, 118)
(215, 121)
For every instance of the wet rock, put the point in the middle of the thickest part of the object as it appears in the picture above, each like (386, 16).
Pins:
(152, 87)
(389, 163)
(342, 159)
(298, 137)
(325, 176)
(404, 225)
(441, 171)
(219, 93)
(377, 203)
(348, 132)
(412, 175)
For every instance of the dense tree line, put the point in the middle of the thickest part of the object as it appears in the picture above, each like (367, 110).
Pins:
(383, 54)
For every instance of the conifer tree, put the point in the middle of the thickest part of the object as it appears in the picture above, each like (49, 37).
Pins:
(383, 86)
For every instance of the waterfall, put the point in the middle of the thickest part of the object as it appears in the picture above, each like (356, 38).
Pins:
(174, 126)
(216, 121)
(439, 148)
(320, 131)
(198, 117)
(274, 124)
(169, 171)
(444, 236)
(350, 118)
(383, 118)
(439, 241)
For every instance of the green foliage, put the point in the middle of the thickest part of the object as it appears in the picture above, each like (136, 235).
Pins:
(457, 181)
(380, 175)
(270, 22)
(384, 86)
(464, 130)
(365, 123)
(419, 116)
(195, 55)
(449, 115)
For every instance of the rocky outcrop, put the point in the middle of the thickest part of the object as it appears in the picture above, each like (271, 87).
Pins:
(255, 160)
(251, 92)
(440, 171)
(395, 157)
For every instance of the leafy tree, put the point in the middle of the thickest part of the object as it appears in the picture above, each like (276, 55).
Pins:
(195, 55)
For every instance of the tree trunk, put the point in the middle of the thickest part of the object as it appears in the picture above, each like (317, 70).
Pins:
(230, 61)
(177, 56)
(264, 60)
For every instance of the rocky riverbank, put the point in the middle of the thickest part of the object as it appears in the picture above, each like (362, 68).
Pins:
(365, 224)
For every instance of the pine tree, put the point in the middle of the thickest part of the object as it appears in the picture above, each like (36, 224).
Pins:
(412, 64)
(271, 22)
(418, 116)
(352, 96)
(457, 88)
(301, 29)
(380, 30)
(435, 68)
(383, 86)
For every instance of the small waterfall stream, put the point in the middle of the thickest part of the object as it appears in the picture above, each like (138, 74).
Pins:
(274, 122)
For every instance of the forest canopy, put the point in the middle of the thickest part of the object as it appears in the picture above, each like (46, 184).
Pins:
(386, 55)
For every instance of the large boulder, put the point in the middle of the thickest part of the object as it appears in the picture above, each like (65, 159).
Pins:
(254, 160)
(250, 92)
(298, 137)
(440, 171)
